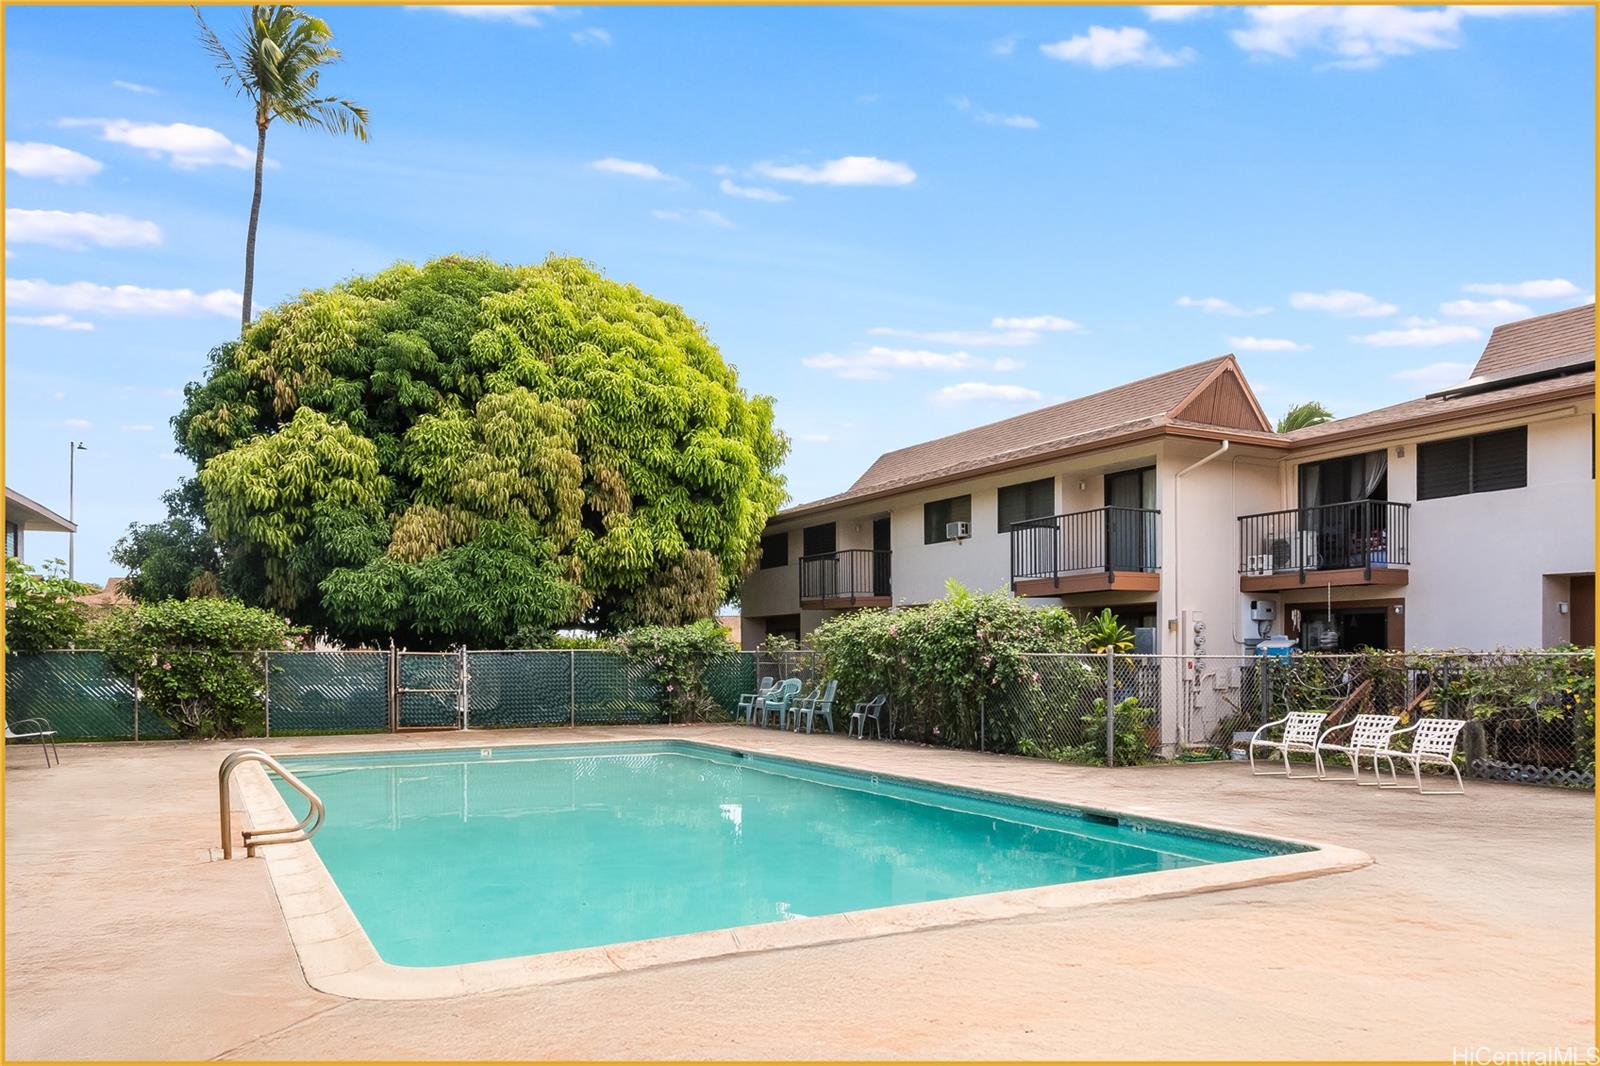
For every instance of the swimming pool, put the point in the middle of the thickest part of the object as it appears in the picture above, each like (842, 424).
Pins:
(462, 856)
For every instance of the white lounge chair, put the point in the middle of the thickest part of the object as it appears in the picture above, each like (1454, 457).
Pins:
(1300, 732)
(867, 710)
(40, 731)
(818, 703)
(747, 702)
(778, 699)
(1433, 743)
(1368, 732)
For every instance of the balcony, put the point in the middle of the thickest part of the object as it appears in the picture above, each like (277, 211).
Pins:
(855, 577)
(1108, 548)
(1366, 542)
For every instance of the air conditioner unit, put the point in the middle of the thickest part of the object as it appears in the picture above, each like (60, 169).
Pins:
(1295, 551)
(957, 530)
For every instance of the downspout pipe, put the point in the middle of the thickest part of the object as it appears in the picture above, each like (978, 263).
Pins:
(1177, 545)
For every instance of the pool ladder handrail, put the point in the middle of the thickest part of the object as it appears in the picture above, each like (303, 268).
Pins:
(253, 838)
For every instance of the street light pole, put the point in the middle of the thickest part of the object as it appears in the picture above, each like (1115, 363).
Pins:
(73, 448)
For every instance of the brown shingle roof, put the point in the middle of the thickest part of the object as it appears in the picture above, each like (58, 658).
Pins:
(1142, 406)
(1440, 409)
(1546, 338)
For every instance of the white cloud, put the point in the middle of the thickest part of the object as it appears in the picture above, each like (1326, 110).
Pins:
(185, 146)
(1103, 48)
(710, 218)
(592, 35)
(848, 170)
(515, 14)
(877, 361)
(815, 438)
(1005, 363)
(1500, 310)
(1545, 289)
(1215, 305)
(992, 118)
(1341, 302)
(32, 159)
(1177, 12)
(135, 87)
(76, 423)
(1421, 333)
(1004, 46)
(78, 229)
(86, 296)
(1266, 344)
(753, 192)
(971, 391)
(629, 167)
(137, 429)
(1434, 375)
(975, 338)
(52, 322)
(1360, 38)
(1048, 323)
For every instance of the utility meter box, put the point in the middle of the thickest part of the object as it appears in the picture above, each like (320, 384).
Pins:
(1263, 610)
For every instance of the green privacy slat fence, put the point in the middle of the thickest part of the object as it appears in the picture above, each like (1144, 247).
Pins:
(520, 688)
(328, 692)
(437, 675)
(77, 691)
(613, 689)
(728, 677)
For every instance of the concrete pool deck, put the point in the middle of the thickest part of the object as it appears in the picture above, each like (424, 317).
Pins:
(1473, 928)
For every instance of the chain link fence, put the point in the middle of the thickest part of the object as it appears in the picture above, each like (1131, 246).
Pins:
(1531, 714)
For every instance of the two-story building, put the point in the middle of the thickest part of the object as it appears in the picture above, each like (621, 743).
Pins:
(1461, 519)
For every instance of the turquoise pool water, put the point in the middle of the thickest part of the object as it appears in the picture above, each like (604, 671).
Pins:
(461, 856)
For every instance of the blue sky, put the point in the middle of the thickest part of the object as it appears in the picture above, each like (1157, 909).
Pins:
(899, 222)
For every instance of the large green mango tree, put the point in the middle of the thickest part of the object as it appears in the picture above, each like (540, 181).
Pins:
(467, 451)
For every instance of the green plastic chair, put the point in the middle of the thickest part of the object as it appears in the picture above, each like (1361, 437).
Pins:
(778, 699)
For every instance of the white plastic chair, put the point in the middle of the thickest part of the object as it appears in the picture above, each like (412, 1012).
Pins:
(41, 732)
(1300, 732)
(1433, 742)
(818, 703)
(1368, 732)
(747, 702)
(778, 699)
(867, 710)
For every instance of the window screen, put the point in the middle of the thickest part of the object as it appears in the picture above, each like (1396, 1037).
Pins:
(1487, 462)
(937, 514)
(820, 540)
(1032, 499)
(774, 551)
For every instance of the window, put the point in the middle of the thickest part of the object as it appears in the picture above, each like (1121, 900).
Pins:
(1347, 478)
(11, 540)
(1487, 462)
(1032, 499)
(774, 551)
(940, 513)
(819, 540)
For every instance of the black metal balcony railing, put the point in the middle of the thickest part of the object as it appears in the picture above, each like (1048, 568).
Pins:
(1362, 534)
(1108, 539)
(852, 574)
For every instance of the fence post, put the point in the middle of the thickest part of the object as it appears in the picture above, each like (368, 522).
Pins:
(135, 710)
(266, 689)
(983, 730)
(461, 697)
(1111, 715)
(572, 686)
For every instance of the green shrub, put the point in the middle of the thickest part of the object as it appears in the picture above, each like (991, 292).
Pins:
(950, 666)
(678, 658)
(192, 661)
(40, 611)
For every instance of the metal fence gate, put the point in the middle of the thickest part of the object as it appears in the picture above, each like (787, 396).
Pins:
(427, 690)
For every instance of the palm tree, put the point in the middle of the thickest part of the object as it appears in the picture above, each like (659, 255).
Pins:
(1301, 415)
(276, 64)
